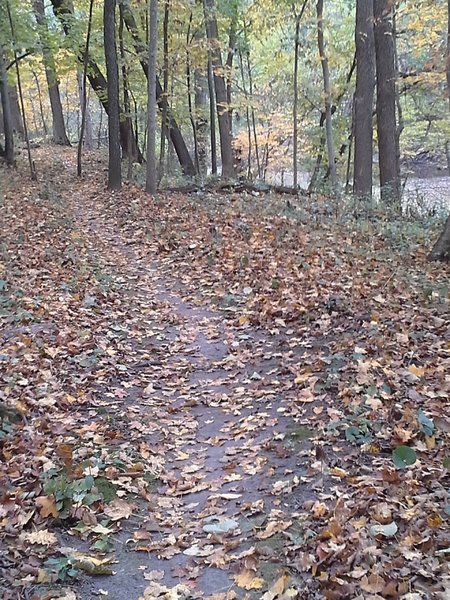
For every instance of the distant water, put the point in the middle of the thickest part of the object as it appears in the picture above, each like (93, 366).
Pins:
(420, 194)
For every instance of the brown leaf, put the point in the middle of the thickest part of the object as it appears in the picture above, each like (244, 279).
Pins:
(47, 506)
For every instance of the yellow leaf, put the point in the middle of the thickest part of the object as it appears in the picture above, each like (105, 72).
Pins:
(338, 472)
(434, 521)
(277, 588)
(417, 371)
(246, 579)
(430, 442)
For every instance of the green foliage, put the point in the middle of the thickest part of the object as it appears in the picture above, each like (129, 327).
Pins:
(60, 569)
(68, 493)
(403, 457)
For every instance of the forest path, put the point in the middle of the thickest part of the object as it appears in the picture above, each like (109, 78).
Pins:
(215, 397)
(204, 402)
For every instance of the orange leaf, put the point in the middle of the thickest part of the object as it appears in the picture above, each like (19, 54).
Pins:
(47, 506)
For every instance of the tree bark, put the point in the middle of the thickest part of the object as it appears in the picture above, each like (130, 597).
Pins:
(298, 18)
(441, 249)
(447, 64)
(152, 175)
(363, 99)
(165, 89)
(82, 80)
(112, 74)
(232, 39)
(176, 137)
(223, 115)
(386, 101)
(212, 116)
(295, 112)
(201, 121)
(7, 113)
(328, 98)
(16, 113)
(59, 130)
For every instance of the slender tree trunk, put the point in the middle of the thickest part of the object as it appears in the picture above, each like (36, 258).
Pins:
(125, 88)
(252, 109)
(189, 93)
(41, 106)
(83, 96)
(7, 113)
(19, 86)
(298, 18)
(386, 100)
(165, 89)
(59, 130)
(152, 175)
(247, 117)
(100, 126)
(112, 71)
(212, 116)
(363, 99)
(223, 115)
(232, 39)
(295, 115)
(328, 98)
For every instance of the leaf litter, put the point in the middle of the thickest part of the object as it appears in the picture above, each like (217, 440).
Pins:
(216, 397)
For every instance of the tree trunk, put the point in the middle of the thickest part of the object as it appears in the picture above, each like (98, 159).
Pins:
(223, 115)
(82, 81)
(41, 107)
(112, 74)
(16, 113)
(447, 64)
(189, 93)
(328, 98)
(363, 99)
(386, 99)
(19, 87)
(152, 175)
(295, 115)
(212, 116)
(59, 130)
(175, 133)
(165, 88)
(88, 138)
(232, 39)
(247, 117)
(63, 9)
(7, 113)
(201, 121)
(298, 18)
(441, 249)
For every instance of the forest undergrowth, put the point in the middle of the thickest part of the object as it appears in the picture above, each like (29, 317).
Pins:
(236, 388)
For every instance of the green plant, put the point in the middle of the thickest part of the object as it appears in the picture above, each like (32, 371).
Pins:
(68, 493)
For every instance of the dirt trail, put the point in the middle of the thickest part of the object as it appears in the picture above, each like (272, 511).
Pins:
(206, 399)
